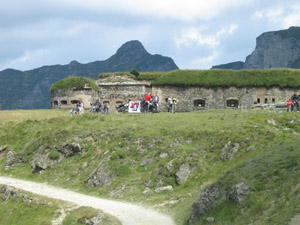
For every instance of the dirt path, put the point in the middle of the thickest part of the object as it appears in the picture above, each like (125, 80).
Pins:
(128, 214)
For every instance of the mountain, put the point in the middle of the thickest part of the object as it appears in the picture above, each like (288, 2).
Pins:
(275, 49)
(233, 66)
(30, 89)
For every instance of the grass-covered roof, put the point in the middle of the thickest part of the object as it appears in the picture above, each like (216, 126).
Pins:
(226, 78)
(74, 82)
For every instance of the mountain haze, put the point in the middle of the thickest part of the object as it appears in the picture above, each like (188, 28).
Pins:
(30, 89)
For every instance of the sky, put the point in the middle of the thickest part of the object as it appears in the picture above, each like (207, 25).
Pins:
(196, 34)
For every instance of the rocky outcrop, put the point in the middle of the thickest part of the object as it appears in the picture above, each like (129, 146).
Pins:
(239, 192)
(277, 49)
(229, 151)
(101, 177)
(3, 148)
(96, 220)
(68, 150)
(40, 163)
(183, 173)
(206, 201)
(10, 160)
(212, 196)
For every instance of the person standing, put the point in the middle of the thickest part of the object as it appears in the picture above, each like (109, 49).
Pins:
(147, 100)
(295, 101)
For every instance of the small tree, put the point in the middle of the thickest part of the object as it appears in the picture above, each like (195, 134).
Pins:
(135, 72)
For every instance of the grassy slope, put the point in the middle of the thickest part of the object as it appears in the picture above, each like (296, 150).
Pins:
(270, 168)
(226, 78)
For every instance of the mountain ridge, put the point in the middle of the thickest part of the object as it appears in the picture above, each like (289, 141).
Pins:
(274, 49)
(30, 89)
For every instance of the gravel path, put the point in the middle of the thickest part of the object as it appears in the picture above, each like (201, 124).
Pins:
(128, 214)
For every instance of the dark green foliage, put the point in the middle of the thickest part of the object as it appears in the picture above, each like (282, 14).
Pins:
(135, 73)
(74, 82)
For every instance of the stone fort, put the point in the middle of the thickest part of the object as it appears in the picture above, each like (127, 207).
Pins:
(116, 90)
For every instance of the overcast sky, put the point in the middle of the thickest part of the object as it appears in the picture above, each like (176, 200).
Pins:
(195, 33)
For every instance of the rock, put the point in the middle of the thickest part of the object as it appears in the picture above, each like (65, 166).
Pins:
(272, 122)
(226, 154)
(96, 220)
(210, 220)
(275, 49)
(250, 148)
(100, 177)
(165, 188)
(10, 160)
(163, 155)
(169, 166)
(147, 183)
(147, 191)
(183, 173)
(69, 150)
(3, 148)
(8, 193)
(40, 163)
(206, 201)
(239, 192)
(175, 143)
(118, 191)
(147, 162)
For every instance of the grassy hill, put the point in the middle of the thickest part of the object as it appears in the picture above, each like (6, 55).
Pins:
(148, 150)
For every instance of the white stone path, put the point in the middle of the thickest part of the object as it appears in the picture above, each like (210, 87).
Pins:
(127, 213)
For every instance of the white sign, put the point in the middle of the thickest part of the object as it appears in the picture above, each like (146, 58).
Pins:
(134, 107)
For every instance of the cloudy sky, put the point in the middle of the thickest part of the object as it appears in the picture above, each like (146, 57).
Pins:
(195, 33)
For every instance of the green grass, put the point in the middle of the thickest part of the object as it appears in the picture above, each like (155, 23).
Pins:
(271, 167)
(16, 211)
(74, 82)
(76, 216)
(225, 78)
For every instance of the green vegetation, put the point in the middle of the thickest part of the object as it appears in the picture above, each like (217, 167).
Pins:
(74, 82)
(77, 215)
(135, 72)
(267, 160)
(106, 75)
(226, 78)
(17, 211)
(284, 78)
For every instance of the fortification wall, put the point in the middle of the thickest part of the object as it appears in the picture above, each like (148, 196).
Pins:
(118, 94)
(199, 98)
(66, 99)
(189, 98)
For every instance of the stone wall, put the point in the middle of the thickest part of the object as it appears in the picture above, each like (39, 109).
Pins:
(66, 99)
(189, 98)
(199, 98)
(120, 94)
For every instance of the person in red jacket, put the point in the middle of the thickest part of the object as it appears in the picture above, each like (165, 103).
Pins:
(289, 105)
(147, 100)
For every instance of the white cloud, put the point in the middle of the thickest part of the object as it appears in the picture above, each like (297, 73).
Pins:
(185, 10)
(194, 36)
(204, 62)
(283, 15)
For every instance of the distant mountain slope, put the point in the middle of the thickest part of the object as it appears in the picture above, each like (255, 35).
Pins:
(30, 89)
(233, 66)
(275, 49)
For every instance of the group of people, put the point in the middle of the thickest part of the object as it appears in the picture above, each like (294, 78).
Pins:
(294, 102)
(150, 103)
(171, 103)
